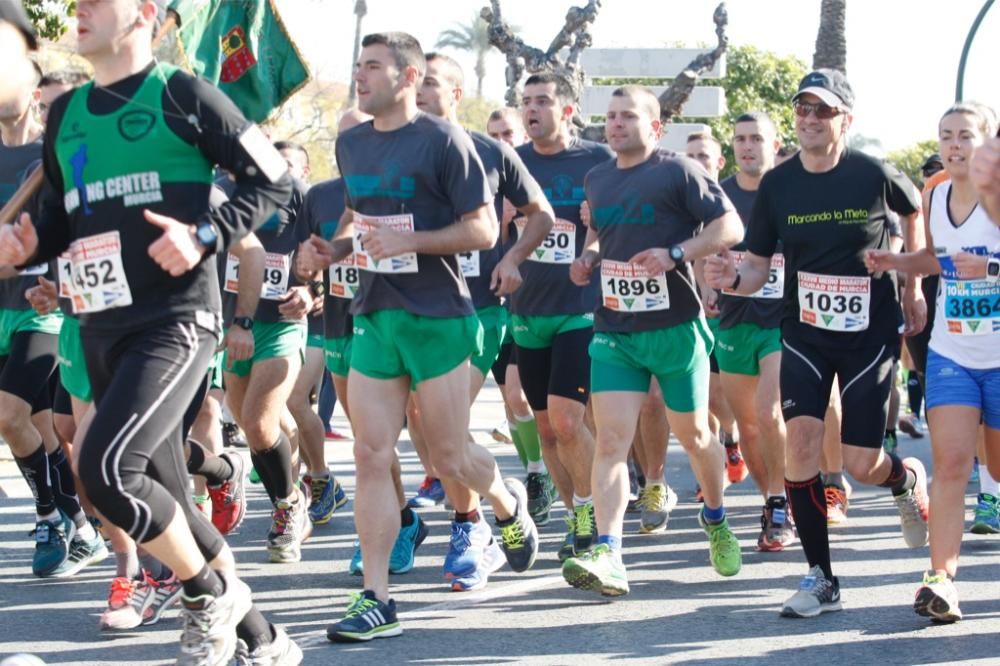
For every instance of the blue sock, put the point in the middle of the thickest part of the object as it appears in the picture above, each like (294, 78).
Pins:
(612, 542)
(714, 516)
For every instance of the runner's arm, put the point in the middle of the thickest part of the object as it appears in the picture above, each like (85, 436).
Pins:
(251, 255)
(477, 230)
(538, 224)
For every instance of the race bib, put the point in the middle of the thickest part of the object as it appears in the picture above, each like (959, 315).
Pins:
(559, 247)
(98, 275)
(232, 283)
(774, 287)
(344, 278)
(835, 302)
(469, 263)
(971, 307)
(277, 268)
(629, 288)
(404, 263)
(65, 267)
(39, 269)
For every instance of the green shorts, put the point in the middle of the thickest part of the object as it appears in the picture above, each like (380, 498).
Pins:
(215, 371)
(22, 321)
(338, 354)
(317, 341)
(677, 356)
(713, 358)
(72, 365)
(395, 343)
(740, 348)
(494, 321)
(271, 340)
(537, 331)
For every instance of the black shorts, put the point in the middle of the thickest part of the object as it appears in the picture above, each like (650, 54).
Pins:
(562, 370)
(865, 378)
(61, 401)
(504, 358)
(26, 370)
(917, 344)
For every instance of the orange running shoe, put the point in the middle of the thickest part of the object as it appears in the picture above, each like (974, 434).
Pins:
(836, 505)
(126, 604)
(736, 467)
(229, 501)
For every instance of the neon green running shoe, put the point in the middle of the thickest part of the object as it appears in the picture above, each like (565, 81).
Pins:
(598, 570)
(723, 546)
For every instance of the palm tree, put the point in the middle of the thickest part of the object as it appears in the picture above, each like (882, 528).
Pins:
(473, 37)
(831, 42)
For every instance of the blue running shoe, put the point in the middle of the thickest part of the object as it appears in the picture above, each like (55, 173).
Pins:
(52, 540)
(987, 516)
(430, 493)
(468, 543)
(81, 553)
(357, 565)
(366, 618)
(405, 549)
(974, 477)
(327, 496)
(493, 559)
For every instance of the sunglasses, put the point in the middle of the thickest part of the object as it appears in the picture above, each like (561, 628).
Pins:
(820, 110)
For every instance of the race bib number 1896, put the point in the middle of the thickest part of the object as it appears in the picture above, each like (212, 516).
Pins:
(835, 302)
(629, 288)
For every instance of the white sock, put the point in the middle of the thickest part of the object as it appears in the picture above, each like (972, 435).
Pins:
(52, 517)
(537, 467)
(580, 501)
(987, 484)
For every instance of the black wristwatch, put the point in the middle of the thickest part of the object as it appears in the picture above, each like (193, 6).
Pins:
(317, 288)
(993, 269)
(676, 254)
(207, 236)
(246, 323)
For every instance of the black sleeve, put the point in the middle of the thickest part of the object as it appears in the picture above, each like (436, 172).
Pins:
(52, 223)
(703, 198)
(462, 176)
(224, 136)
(761, 236)
(900, 193)
(517, 185)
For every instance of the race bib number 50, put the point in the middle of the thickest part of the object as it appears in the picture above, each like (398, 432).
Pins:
(629, 288)
(835, 302)
(98, 275)
(404, 263)
(559, 247)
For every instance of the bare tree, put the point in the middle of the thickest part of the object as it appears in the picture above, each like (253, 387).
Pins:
(360, 9)
(674, 98)
(831, 41)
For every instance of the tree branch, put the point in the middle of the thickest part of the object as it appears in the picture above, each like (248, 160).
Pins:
(674, 98)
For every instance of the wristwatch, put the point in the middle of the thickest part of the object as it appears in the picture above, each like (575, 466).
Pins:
(206, 235)
(246, 323)
(317, 288)
(676, 253)
(993, 269)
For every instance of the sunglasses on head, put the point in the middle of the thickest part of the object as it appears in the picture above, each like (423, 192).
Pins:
(820, 110)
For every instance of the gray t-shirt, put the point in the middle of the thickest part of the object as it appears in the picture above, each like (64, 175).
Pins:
(547, 289)
(423, 176)
(764, 311)
(659, 203)
(321, 213)
(508, 179)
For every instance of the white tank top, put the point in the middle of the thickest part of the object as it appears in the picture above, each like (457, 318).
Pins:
(967, 322)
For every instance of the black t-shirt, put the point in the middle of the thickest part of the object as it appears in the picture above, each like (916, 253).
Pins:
(16, 163)
(826, 222)
(509, 179)
(547, 289)
(764, 310)
(321, 213)
(423, 176)
(659, 203)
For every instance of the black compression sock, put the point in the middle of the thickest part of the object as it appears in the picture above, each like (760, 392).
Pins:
(915, 394)
(808, 503)
(901, 478)
(471, 517)
(205, 583)
(64, 488)
(254, 629)
(216, 469)
(35, 470)
(275, 468)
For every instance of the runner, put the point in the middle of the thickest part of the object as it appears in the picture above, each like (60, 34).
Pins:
(648, 207)
(416, 196)
(963, 365)
(826, 206)
(146, 299)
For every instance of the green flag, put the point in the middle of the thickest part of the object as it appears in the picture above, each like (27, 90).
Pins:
(242, 47)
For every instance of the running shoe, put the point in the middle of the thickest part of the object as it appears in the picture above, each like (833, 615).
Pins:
(356, 567)
(404, 550)
(816, 594)
(518, 534)
(634, 489)
(987, 516)
(598, 570)
(911, 426)
(336, 435)
(81, 553)
(229, 500)
(366, 618)
(566, 549)
(836, 505)
(127, 602)
(254, 476)
(541, 495)
(203, 505)
(327, 496)
(430, 493)
(776, 531)
(699, 494)
(290, 526)
(913, 506)
(232, 435)
(492, 560)
(501, 433)
(890, 443)
(736, 467)
(209, 633)
(466, 548)
(937, 598)
(585, 534)
(723, 546)
(52, 544)
(281, 651)
(165, 593)
(656, 501)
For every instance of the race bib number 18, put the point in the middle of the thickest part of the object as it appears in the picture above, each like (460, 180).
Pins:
(404, 263)
(835, 302)
(629, 288)
(344, 278)
(99, 281)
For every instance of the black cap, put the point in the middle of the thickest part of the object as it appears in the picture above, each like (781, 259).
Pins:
(829, 85)
(931, 161)
(12, 12)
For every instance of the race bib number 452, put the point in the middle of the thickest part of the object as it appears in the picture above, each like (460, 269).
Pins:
(403, 263)
(835, 302)
(628, 287)
(774, 288)
(98, 274)
(559, 247)
(971, 307)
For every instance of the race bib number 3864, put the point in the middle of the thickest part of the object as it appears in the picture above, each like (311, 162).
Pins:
(403, 263)
(971, 307)
(835, 302)
(628, 287)
(99, 281)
